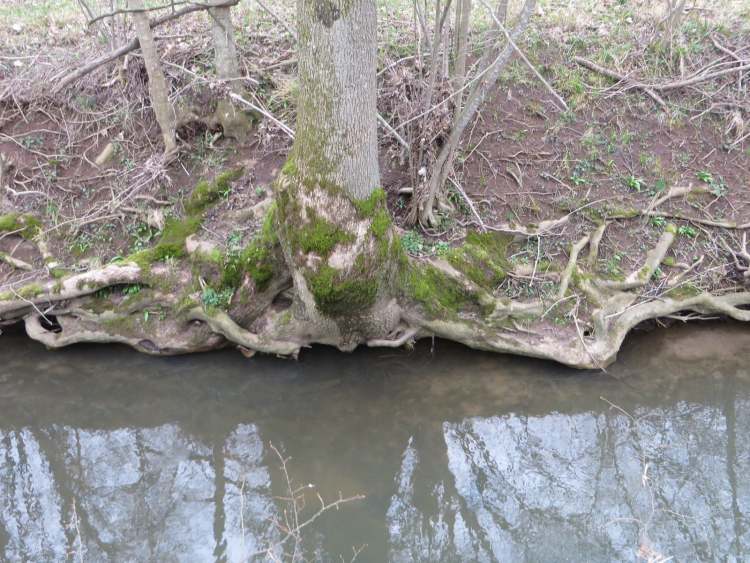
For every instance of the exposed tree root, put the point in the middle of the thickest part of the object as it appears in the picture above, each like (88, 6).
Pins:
(221, 323)
(18, 303)
(15, 262)
(654, 258)
(63, 313)
(741, 257)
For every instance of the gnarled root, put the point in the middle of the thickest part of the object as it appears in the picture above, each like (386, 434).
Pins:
(741, 257)
(221, 323)
(20, 303)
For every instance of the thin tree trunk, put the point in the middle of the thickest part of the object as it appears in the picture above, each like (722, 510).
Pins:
(157, 83)
(463, 22)
(225, 48)
(234, 122)
(423, 204)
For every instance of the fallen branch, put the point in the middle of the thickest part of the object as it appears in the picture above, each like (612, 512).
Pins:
(278, 18)
(651, 89)
(707, 222)
(743, 254)
(283, 126)
(621, 78)
(469, 203)
(15, 262)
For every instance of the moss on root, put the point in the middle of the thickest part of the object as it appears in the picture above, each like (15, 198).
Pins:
(685, 291)
(258, 259)
(171, 243)
(205, 193)
(26, 226)
(482, 258)
(438, 293)
(339, 294)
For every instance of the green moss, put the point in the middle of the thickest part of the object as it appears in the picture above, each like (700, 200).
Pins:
(482, 258)
(367, 207)
(320, 236)
(685, 291)
(258, 259)
(290, 167)
(337, 296)
(27, 226)
(381, 222)
(204, 193)
(171, 243)
(30, 291)
(440, 294)
(669, 261)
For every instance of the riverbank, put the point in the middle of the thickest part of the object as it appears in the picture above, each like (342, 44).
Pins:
(618, 211)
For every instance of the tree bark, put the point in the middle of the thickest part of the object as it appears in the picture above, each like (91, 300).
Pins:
(334, 225)
(157, 83)
(225, 48)
(234, 122)
(337, 120)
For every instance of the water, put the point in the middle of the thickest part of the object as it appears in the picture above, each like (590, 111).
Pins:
(107, 455)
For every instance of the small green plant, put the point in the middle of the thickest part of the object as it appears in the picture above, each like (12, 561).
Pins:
(441, 247)
(635, 184)
(133, 289)
(687, 231)
(612, 265)
(143, 235)
(81, 244)
(577, 180)
(216, 299)
(659, 222)
(32, 141)
(413, 242)
(716, 185)
(234, 241)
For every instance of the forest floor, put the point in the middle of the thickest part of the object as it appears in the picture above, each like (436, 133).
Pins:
(615, 155)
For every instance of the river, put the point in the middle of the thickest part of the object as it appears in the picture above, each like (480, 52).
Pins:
(108, 455)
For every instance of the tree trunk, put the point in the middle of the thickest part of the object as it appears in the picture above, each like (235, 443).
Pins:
(157, 84)
(234, 122)
(334, 225)
(225, 48)
(463, 24)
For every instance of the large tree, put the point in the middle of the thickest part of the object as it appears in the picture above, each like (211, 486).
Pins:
(334, 226)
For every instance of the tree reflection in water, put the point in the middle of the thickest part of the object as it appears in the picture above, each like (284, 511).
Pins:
(459, 462)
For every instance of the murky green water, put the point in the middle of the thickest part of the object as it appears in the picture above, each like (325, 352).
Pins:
(107, 455)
